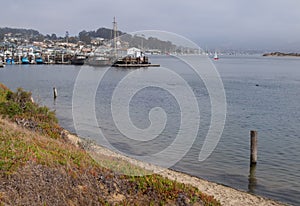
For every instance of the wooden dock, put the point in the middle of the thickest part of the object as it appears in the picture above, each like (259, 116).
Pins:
(136, 65)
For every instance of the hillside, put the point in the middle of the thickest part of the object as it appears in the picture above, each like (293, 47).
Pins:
(87, 37)
(18, 32)
(38, 167)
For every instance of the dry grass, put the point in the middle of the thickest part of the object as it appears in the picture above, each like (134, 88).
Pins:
(19, 146)
(35, 169)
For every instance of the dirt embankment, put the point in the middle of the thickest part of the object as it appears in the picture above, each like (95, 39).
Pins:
(38, 170)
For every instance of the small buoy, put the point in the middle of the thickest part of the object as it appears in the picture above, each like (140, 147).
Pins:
(257, 85)
(54, 92)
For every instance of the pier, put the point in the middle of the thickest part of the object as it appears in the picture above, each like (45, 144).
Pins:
(135, 65)
(135, 58)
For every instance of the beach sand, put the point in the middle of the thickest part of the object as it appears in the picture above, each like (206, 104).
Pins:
(226, 195)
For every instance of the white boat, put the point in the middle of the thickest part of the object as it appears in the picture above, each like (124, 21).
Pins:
(103, 56)
(216, 56)
(99, 60)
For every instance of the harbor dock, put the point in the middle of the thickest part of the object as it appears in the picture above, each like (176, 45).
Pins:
(136, 65)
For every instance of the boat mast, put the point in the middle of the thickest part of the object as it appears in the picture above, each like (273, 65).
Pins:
(115, 35)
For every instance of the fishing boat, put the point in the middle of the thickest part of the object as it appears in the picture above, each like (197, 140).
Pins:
(25, 60)
(99, 60)
(10, 60)
(103, 56)
(216, 56)
(78, 59)
(39, 60)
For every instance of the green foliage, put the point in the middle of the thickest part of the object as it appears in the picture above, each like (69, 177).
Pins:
(20, 97)
(12, 152)
(3, 91)
(10, 109)
(18, 106)
(18, 147)
(170, 190)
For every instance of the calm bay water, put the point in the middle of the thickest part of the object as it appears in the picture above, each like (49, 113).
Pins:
(262, 94)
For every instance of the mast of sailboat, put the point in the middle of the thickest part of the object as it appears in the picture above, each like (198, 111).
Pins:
(115, 35)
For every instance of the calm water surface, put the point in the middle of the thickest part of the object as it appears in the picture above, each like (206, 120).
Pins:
(262, 94)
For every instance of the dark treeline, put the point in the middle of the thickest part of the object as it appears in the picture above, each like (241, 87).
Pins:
(87, 36)
(18, 32)
(35, 35)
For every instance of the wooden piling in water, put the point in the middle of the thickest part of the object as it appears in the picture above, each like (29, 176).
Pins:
(252, 181)
(54, 93)
(253, 147)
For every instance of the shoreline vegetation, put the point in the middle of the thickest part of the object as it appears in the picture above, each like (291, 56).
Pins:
(281, 54)
(43, 164)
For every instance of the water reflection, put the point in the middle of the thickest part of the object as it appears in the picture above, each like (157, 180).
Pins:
(252, 179)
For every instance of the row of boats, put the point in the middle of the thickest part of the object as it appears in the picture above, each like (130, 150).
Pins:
(103, 56)
(134, 58)
(25, 60)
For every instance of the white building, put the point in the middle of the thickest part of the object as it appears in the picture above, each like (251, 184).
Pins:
(135, 52)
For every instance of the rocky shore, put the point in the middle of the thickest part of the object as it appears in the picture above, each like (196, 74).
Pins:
(225, 195)
(280, 54)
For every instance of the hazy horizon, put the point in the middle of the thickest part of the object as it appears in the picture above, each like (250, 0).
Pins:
(232, 24)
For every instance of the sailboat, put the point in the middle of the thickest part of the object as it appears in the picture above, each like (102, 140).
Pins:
(216, 56)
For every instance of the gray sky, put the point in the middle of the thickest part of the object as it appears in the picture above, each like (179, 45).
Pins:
(255, 24)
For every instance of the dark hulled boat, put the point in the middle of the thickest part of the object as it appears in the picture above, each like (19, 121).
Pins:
(78, 59)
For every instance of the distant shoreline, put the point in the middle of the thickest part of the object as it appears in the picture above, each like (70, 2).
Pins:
(281, 54)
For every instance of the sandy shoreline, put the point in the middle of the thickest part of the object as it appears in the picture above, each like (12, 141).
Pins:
(226, 195)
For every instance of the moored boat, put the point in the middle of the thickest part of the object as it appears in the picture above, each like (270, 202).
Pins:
(25, 60)
(10, 60)
(216, 56)
(39, 60)
(78, 59)
(99, 60)
(103, 56)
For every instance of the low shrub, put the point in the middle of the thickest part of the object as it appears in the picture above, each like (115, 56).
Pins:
(19, 107)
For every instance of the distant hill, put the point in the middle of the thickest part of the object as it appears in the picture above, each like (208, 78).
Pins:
(100, 33)
(87, 36)
(83, 35)
(18, 31)
(134, 41)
